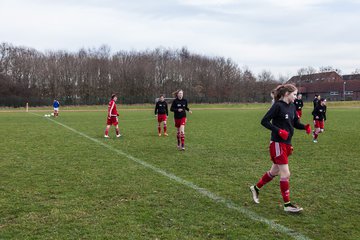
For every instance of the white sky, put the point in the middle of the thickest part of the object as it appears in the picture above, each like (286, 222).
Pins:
(274, 35)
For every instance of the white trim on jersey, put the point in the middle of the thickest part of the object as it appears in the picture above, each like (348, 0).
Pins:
(110, 110)
(277, 149)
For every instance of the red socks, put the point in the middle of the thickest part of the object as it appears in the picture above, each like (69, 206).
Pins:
(117, 131)
(165, 128)
(267, 177)
(182, 138)
(159, 129)
(178, 138)
(106, 132)
(285, 189)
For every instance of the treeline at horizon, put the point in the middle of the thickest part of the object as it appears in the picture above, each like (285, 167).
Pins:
(90, 76)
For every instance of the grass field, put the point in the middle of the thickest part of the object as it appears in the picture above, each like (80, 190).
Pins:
(60, 179)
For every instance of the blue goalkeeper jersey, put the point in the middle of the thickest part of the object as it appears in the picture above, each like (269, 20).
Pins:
(56, 104)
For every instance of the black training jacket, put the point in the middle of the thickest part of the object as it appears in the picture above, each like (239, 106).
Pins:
(281, 115)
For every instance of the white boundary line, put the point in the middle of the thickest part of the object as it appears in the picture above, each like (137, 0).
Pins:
(218, 199)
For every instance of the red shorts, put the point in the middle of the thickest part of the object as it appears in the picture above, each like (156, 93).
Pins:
(319, 124)
(279, 152)
(179, 122)
(299, 113)
(112, 121)
(162, 118)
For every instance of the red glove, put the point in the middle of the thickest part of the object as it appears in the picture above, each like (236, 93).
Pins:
(308, 128)
(283, 134)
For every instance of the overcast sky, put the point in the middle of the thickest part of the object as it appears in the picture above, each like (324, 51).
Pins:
(273, 35)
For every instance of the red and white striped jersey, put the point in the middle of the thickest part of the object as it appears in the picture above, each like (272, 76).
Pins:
(112, 112)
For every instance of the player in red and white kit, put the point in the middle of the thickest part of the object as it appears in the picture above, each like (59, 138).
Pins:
(299, 104)
(281, 119)
(319, 114)
(179, 106)
(161, 111)
(112, 117)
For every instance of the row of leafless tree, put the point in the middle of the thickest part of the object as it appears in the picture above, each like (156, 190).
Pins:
(89, 76)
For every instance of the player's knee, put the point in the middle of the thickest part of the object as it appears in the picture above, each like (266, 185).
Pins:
(285, 175)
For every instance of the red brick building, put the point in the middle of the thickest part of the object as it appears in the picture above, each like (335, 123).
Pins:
(329, 85)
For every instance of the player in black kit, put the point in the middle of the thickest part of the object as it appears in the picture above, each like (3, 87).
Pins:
(319, 114)
(281, 120)
(161, 111)
(299, 105)
(179, 106)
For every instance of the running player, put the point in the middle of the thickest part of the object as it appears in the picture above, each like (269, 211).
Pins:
(281, 120)
(319, 114)
(299, 105)
(112, 117)
(179, 106)
(161, 111)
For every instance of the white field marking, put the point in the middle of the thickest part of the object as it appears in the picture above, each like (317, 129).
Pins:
(218, 199)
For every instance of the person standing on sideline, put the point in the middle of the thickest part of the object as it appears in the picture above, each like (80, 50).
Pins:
(161, 111)
(299, 105)
(56, 106)
(281, 120)
(112, 117)
(319, 115)
(316, 100)
(179, 106)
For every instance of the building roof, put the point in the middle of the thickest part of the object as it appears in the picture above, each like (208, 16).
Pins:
(351, 77)
(326, 82)
(316, 77)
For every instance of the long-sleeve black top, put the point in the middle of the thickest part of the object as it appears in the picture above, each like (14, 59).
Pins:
(299, 104)
(319, 112)
(315, 102)
(281, 116)
(161, 108)
(179, 104)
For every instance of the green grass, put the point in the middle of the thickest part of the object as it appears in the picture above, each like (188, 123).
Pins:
(57, 184)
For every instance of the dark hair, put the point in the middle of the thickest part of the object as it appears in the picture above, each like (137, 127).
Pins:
(280, 90)
(162, 95)
(113, 95)
(316, 95)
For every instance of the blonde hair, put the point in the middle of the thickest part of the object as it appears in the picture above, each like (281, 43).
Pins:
(280, 90)
(176, 93)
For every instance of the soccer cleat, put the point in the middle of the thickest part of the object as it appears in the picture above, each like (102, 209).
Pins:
(165, 134)
(315, 141)
(159, 134)
(292, 208)
(255, 194)
(119, 135)
(183, 149)
(106, 136)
